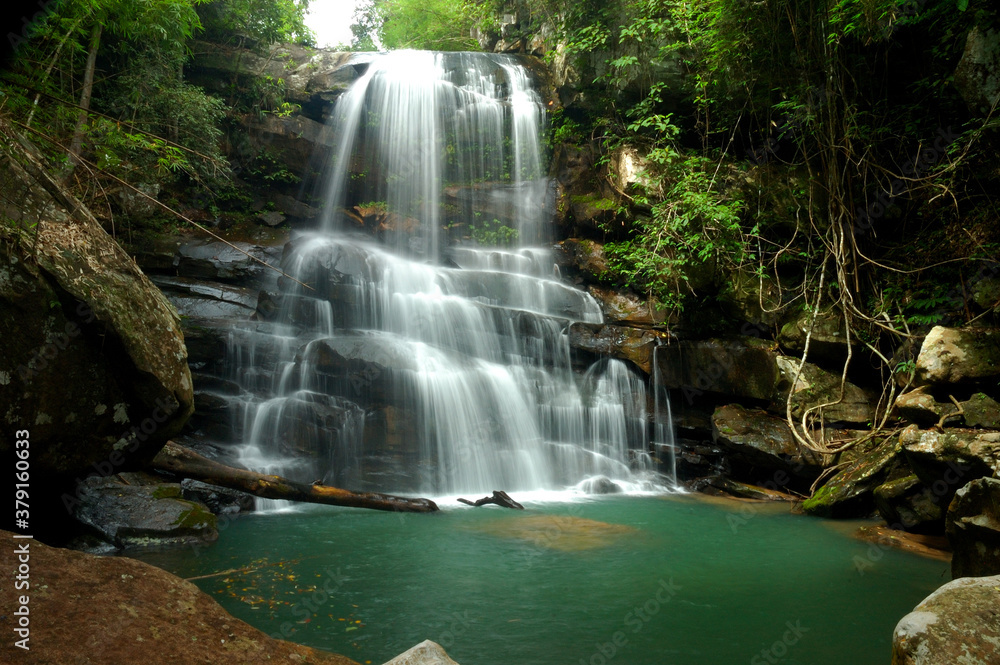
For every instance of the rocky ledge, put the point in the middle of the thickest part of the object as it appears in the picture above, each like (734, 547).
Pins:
(109, 610)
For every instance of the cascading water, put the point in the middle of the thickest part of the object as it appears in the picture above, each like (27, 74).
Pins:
(419, 364)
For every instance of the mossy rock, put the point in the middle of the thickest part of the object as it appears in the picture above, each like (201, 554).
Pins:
(849, 492)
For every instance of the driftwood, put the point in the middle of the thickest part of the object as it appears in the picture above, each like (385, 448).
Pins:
(181, 461)
(499, 498)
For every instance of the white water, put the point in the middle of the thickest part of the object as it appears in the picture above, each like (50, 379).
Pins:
(412, 366)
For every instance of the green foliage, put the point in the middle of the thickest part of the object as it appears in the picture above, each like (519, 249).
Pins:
(256, 23)
(439, 25)
(695, 223)
(493, 234)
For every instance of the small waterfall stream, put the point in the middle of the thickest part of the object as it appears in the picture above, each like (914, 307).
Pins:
(419, 364)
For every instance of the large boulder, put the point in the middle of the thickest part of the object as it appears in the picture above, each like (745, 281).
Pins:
(919, 406)
(827, 337)
(94, 365)
(757, 440)
(741, 367)
(814, 386)
(973, 528)
(118, 611)
(945, 461)
(958, 623)
(907, 503)
(959, 355)
(981, 410)
(849, 492)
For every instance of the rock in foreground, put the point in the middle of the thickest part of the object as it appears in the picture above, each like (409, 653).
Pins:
(425, 653)
(958, 623)
(109, 611)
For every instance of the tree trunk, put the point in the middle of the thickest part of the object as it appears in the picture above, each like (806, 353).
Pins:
(88, 89)
(178, 460)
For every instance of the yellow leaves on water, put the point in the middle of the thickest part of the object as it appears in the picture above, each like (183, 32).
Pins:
(564, 533)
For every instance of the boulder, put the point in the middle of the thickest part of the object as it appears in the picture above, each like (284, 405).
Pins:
(919, 406)
(981, 411)
(828, 341)
(959, 355)
(600, 485)
(220, 500)
(945, 461)
(849, 492)
(907, 503)
(582, 258)
(815, 386)
(141, 516)
(425, 653)
(754, 438)
(958, 623)
(738, 367)
(119, 611)
(636, 345)
(747, 297)
(93, 352)
(973, 528)
(977, 76)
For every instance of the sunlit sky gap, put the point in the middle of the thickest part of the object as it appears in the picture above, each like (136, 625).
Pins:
(331, 21)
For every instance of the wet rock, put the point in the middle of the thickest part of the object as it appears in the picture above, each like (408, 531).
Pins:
(141, 517)
(425, 653)
(210, 300)
(919, 406)
(119, 611)
(815, 386)
(828, 341)
(973, 528)
(600, 485)
(621, 306)
(271, 218)
(849, 492)
(583, 258)
(907, 503)
(958, 623)
(981, 411)
(754, 438)
(885, 537)
(206, 341)
(91, 347)
(208, 259)
(738, 367)
(294, 208)
(363, 368)
(633, 344)
(945, 461)
(963, 356)
(747, 491)
(220, 500)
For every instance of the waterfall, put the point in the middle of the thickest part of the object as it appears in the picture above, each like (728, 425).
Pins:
(421, 363)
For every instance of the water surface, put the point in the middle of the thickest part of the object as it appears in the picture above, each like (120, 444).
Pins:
(651, 580)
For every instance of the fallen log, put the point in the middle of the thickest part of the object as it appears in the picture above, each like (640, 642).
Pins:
(499, 498)
(175, 458)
